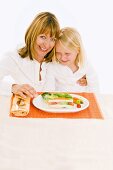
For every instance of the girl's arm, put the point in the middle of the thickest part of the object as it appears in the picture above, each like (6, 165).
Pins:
(82, 81)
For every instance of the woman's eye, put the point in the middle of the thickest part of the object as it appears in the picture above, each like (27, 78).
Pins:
(43, 37)
(53, 39)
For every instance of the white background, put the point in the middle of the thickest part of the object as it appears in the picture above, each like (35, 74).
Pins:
(92, 18)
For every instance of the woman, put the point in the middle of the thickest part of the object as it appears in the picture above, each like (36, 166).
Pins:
(70, 65)
(25, 65)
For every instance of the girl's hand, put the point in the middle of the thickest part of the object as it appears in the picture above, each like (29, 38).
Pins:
(82, 81)
(24, 90)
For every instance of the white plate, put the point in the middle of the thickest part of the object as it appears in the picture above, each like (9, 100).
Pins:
(40, 104)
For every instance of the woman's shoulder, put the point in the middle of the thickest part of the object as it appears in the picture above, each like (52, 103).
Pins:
(9, 57)
(15, 59)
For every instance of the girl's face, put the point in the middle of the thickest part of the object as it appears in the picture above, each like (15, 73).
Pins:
(44, 44)
(65, 56)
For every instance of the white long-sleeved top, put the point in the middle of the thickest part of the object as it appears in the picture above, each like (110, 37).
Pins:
(21, 71)
(61, 78)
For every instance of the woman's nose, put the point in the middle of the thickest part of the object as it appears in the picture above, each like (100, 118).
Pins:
(47, 43)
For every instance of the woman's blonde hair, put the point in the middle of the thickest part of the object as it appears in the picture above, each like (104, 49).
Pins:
(70, 38)
(44, 22)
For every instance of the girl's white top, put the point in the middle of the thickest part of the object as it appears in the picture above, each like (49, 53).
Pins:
(61, 78)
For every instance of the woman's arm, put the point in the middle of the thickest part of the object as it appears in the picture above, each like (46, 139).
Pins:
(23, 90)
(8, 67)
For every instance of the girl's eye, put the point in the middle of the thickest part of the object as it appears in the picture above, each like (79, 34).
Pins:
(67, 54)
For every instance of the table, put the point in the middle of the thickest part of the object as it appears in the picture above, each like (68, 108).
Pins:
(56, 144)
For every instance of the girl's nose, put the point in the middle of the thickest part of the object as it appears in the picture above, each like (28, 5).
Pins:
(63, 58)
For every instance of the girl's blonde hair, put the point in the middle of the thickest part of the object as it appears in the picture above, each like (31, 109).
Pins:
(44, 22)
(71, 39)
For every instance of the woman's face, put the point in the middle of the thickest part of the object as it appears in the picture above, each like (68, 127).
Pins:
(64, 55)
(44, 44)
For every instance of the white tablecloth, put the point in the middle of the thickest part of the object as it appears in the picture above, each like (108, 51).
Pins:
(56, 144)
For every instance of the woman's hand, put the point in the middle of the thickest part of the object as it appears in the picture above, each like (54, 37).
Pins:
(24, 90)
(82, 81)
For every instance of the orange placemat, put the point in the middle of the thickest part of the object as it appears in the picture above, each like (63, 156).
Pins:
(93, 111)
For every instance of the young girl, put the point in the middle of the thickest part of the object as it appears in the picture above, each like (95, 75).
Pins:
(70, 65)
